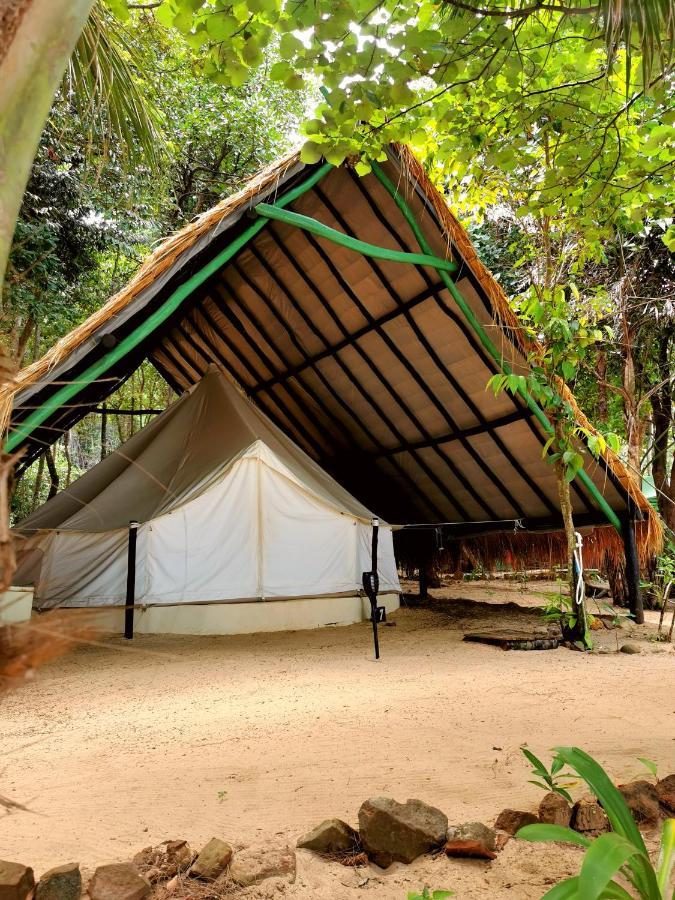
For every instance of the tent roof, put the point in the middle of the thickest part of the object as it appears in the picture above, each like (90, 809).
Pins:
(178, 456)
(368, 364)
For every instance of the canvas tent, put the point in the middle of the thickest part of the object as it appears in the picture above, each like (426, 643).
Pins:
(356, 314)
(229, 510)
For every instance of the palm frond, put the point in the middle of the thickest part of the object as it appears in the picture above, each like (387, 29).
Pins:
(647, 26)
(103, 83)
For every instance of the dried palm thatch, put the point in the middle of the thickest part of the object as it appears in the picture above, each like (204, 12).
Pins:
(26, 647)
(166, 254)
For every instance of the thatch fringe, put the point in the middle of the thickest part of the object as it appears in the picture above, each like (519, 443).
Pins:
(161, 259)
(650, 533)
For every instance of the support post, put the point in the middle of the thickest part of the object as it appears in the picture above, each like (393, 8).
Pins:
(371, 585)
(632, 568)
(131, 581)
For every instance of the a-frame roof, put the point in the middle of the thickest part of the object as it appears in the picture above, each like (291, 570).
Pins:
(376, 367)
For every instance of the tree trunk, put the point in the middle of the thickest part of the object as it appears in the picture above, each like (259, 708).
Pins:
(601, 364)
(53, 474)
(577, 632)
(662, 421)
(36, 40)
(38, 483)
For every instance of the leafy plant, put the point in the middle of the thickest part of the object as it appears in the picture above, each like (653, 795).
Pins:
(427, 894)
(650, 765)
(620, 852)
(549, 780)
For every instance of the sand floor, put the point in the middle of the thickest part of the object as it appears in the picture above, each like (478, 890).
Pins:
(115, 747)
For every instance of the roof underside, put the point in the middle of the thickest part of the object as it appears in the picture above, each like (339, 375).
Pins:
(367, 364)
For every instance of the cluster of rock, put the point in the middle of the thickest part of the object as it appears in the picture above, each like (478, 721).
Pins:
(166, 864)
(388, 832)
(400, 832)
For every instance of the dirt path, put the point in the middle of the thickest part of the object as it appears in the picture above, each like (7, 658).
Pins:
(115, 747)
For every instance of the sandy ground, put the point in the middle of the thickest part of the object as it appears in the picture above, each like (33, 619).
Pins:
(116, 747)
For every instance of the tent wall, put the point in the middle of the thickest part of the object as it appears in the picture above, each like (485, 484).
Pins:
(296, 614)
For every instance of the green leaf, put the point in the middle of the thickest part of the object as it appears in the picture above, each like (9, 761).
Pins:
(603, 859)
(666, 855)
(363, 168)
(564, 890)
(649, 764)
(548, 833)
(119, 9)
(311, 153)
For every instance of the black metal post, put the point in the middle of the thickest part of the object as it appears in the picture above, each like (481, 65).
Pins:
(131, 582)
(632, 569)
(371, 585)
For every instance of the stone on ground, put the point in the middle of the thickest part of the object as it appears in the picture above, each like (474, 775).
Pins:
(472, 839)
(510, 820)
(259, 862)
(555, 810)
(164, 861)
(16, 881)
(118, 881)
(665, 791)
(331, 836)
(629, 648)
(400, 832)
(642, 800)
(61, 883)
(212, 860)
(588, 817)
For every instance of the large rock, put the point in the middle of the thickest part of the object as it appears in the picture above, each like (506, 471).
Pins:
(400, 832)
(511, 820)
(472, 839)
(256, 863)
(642, 800)
(212, 860)
(588, 817)
(118, 881)
(331, 836)
(164, 861)
(665, 791)
(16, 881)
(61, 883)
(555, 810)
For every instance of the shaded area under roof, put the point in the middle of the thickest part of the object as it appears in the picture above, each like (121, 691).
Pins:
(367, 364)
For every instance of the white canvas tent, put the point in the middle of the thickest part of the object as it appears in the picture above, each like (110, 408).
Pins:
(231, 512)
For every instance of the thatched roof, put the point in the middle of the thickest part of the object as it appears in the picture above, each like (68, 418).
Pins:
(367, 364)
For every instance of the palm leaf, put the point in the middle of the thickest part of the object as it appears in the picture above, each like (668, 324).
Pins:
(103, 83)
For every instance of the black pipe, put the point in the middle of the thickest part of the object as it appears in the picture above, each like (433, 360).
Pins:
(131, 582)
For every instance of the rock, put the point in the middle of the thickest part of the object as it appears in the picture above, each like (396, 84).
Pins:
(642, 800)
(61, 883)
(629, 648)
(665, 791)
(16, 881)
(588, 817)
(510, 820)
(471, 839)
(555, 810)
(400, 832)
(164, 861)
(118, 881)
(331, 836)
(212, 861)
(256, 863)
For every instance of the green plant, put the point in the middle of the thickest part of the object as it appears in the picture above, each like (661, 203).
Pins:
(620, 852)
(549, 780)
(427, 894)
(560, 610)
(650, 765)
